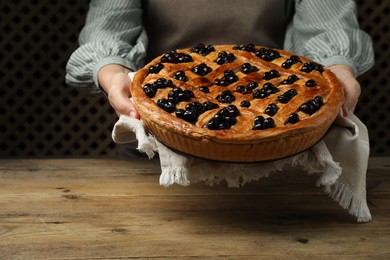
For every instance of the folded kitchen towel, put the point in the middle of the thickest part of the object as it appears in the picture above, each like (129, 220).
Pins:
(340, 159)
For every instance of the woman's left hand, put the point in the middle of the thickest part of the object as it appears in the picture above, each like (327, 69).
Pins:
(351, 86)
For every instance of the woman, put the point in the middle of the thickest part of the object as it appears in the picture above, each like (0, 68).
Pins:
(119, 36)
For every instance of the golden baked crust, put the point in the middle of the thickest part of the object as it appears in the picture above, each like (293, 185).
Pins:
(236, 136)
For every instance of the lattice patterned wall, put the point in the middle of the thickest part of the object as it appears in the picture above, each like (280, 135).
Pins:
(41, 116)
(374, 106)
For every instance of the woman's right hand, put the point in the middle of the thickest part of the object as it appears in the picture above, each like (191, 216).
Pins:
(114, 80)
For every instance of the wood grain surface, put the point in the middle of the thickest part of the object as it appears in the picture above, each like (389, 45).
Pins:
(116, 209)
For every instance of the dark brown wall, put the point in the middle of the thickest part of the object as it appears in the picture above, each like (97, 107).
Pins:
(41, 116)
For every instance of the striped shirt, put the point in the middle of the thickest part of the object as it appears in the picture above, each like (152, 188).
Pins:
(325, 31)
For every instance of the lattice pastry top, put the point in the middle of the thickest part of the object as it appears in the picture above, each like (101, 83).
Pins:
(236, 103)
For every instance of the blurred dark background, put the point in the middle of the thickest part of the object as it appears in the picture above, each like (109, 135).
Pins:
(40, 116)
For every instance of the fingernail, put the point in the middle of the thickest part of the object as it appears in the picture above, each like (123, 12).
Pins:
(132, 114)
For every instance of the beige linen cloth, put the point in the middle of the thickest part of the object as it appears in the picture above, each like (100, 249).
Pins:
(340, 159)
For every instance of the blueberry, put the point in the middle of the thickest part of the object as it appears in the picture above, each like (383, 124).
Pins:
(283, 99)
(291, 61)
(219, 116)
(185, 95)
(248, 47)
(166, 105)
(267, 89)
(175, 57)
(202, 69)
(224, 125)
(224, 118)
(232, 110)
(319, 100)
(287, 64)
(228, 73)
(269, 86)
(248, 68)
(220, 82)
(180, 113)
(178, 95)
(186, 115)
(209, 106)
(203, 49)
(215, 123)
(231, 120)
(226, 97)
(204, 89)
(243, 89)
(287, 96)
(245, 103)
(291, 79)
(162, 83)
(229, 99)
(212, 124)
(246, 89)
(228, 78)
(295, 58)
(192, 116)
(311, 83)
(224, 57)
(174, 92)
(291, 93)
(315, 104)
(193, 110)
(190, 113)
(261, 123)
(226, 92)
(310, 66)
(271, 74)
(269, 123)
(271, 109)
(180, 75)
(156, 68)
(312, 106)
(293, 118)
(149, 90)
(267, 54)
(194, 106)
(259, 120)
(253, 85)
(259, 93)
(306, 108)
(240, 88)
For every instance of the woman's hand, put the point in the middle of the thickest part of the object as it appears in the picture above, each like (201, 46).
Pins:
(350, 85)
(114, 80)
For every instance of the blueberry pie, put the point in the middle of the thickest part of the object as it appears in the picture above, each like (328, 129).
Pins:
(236, 103)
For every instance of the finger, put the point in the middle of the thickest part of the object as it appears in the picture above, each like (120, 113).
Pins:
(119, 96)
(123, 106)
(352, 92)
(345, 110)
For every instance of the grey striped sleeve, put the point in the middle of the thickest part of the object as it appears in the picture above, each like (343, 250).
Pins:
(113, 33)
(328, 32)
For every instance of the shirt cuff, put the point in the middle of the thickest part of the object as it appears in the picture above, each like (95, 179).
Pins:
(333, 60)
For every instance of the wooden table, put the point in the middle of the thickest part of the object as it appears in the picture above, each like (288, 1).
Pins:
(116, 209)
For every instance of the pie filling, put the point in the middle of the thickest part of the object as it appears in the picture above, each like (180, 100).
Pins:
(227, 116)
(250, 99)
